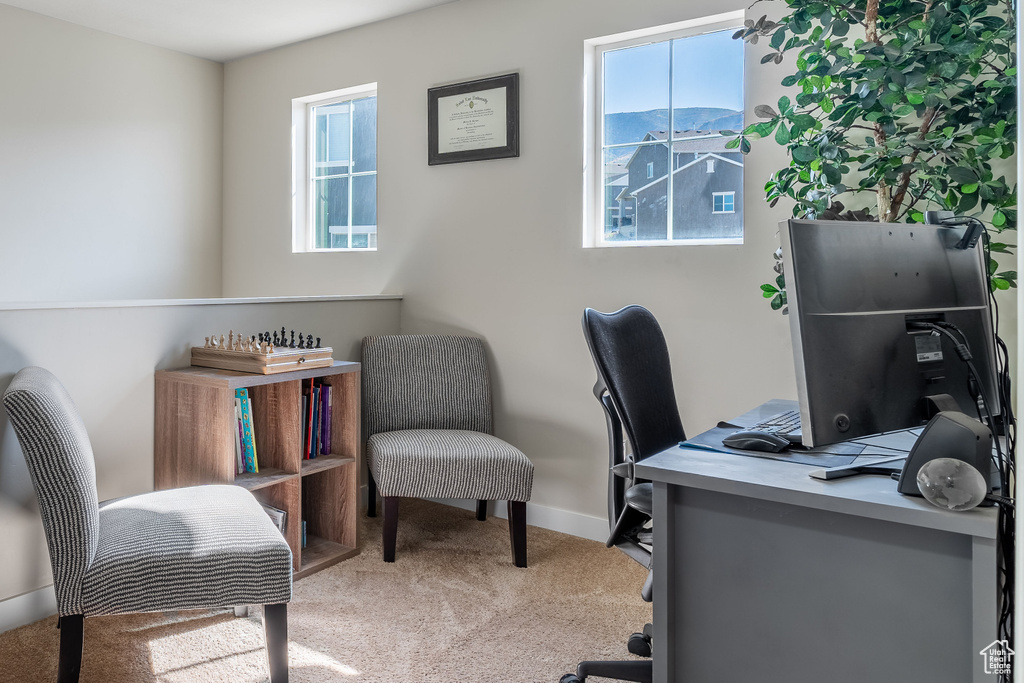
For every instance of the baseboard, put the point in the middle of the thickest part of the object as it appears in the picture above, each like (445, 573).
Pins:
(27, 608)
(564, 521)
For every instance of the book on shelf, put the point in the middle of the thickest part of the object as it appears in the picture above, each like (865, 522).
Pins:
(248, 433)
(278, 516)
(325, 420)
(239, 457)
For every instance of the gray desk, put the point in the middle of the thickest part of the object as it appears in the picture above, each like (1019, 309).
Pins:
(765, 574)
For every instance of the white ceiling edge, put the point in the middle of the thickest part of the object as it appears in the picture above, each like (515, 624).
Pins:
(222, 30)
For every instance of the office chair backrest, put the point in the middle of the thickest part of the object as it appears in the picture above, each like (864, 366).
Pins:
(60, 461)
(631, 357)
(425, 381)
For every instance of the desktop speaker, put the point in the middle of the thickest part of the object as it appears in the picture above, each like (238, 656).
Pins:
(949, 434)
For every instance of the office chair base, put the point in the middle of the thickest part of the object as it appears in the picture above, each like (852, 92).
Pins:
(637, 672)
(639, 644)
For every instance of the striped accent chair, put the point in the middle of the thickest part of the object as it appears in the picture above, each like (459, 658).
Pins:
(427, 408)
(191, 548)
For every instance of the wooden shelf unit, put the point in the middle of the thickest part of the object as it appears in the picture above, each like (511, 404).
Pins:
(194, 444)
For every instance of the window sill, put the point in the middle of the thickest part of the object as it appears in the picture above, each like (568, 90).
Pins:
(664, 243)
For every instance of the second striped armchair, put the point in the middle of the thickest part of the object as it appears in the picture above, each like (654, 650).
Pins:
(427, 410)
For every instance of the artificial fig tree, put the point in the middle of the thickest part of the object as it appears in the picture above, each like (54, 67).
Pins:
(898, 106)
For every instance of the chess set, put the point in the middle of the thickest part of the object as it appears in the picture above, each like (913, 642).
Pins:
(263, 354)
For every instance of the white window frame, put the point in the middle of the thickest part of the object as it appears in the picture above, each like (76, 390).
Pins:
(650, 170)
(593, 122)
(730, 195)
(302, 167)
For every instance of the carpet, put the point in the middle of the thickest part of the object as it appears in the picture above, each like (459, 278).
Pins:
(451, 608)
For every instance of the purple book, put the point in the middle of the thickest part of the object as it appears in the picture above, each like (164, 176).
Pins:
(325, 419)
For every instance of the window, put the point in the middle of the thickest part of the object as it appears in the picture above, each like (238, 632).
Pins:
(654, 150)
(723, 202)
(334, 174)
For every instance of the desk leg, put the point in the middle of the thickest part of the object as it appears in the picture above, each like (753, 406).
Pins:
(664, 598)
(985, 601)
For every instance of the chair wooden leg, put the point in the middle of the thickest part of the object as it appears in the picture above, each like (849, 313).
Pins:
(371, 495)
(481, 510)
(71, 638)
(390, 527)
(517, 530)
(275, 623)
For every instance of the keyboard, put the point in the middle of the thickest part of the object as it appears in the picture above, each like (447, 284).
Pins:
(785, 424)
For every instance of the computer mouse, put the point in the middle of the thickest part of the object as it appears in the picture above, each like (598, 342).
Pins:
(756, 441)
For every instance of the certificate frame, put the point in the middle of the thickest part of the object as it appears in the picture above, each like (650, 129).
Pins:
(445, 145)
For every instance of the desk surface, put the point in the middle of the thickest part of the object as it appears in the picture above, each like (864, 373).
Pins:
(870, 496)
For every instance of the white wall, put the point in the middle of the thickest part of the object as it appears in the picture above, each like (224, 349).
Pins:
(106, 357)
(493, 248)
(110, 166)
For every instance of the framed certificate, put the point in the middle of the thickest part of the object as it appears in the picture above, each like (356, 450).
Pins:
(473, 120)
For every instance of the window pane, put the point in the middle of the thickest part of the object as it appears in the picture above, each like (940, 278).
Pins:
(619, 207)
(648, 196)
(707, 83)
(364, 134)
(332, 139)
(330, 213)
(364, 200)
(635, 92)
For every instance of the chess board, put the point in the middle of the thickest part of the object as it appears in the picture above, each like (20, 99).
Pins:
(280, 360)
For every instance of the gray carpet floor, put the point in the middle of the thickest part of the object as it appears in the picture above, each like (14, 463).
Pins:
(451, 608)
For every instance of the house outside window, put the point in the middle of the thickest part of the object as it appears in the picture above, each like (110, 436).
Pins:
(655, 153)
(334, 171)
(723, 202)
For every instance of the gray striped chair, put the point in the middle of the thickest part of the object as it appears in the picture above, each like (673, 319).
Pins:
(427, 408)
(191, 548)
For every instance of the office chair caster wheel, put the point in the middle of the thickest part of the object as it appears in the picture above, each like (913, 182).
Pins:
(639, 645)
(569, 678)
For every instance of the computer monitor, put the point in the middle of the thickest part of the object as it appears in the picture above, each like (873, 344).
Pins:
(855, 290)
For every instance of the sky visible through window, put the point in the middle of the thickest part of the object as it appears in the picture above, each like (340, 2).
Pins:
(708, 72)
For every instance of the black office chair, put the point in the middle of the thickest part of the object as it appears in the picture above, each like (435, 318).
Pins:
(634, 386)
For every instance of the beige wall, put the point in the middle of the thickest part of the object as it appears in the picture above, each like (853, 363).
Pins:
(109, 374)
(110, 166)
(493, 248)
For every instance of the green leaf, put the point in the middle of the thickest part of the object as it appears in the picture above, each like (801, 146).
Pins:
(962, 175)
(804, 154)
(782, 135)
(765, 111)
(999, 219)
(733, 144)
(915, 98)
(744, 146)
(969, 189)
(780, 281)
(930, 47)
(777, 302)
(784, 104)
(768, 291)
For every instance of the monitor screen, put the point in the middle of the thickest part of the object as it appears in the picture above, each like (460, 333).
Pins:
(854, 291)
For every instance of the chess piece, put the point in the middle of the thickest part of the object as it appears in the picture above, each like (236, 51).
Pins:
(277, 340)
(261, 337)
(231, 340)
(318, 342)
(284, 338)
(207, 344)
(270, 349)
(222, 345)
(292, 345)
(302, 341)
(309, 341)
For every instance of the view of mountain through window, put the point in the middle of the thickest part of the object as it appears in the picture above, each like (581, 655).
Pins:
(663, 105)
